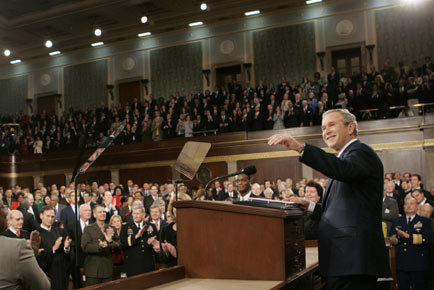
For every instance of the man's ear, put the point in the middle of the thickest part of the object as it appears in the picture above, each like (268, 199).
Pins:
(352, 128)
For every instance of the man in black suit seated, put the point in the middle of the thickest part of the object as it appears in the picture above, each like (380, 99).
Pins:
(352, 253)
(15, 229)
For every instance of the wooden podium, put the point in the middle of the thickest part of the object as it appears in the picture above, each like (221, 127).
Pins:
(220, 240)
(227, 246)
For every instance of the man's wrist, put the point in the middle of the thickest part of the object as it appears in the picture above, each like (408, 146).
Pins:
(300, 149)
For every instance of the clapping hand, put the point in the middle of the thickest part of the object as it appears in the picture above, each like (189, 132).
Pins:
(102, 244)
(108, 234)
(168, 247)
(35, 242)
(67, 242)
(402, 234)
(140, 233)
(57, 243)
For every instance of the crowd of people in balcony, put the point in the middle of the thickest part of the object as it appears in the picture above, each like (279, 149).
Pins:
(388, 93)
(129, 230)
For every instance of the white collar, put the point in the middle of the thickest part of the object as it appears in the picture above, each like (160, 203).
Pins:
(411, 217)
(345, 147)
(246, 197)
(45, 228)
(13, 230)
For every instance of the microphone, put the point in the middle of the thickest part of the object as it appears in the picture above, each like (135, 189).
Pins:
(248, 170)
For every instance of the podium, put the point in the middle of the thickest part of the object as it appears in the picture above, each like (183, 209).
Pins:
(228, 246)
(219, 240)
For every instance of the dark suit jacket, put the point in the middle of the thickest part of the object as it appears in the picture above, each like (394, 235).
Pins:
(23, 234)
(351, 241)
(71, 233)
(67, 216)
(389, 211)
(29, 220)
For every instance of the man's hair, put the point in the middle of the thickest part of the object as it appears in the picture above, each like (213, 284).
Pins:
(318, 187)
(346, 117)
(46, 208)
(155, 205)
(97, 206)
(418, 176)
(12, 212)
(139, 207)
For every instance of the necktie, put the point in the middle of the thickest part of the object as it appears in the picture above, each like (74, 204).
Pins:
(409, 220)
(18, 234)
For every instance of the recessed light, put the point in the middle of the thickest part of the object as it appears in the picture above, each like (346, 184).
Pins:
(15, 61)
(48, 43)
(144, 34)
(144, 19)
(57, 52)
(7, 52)
(195, 24)
(97, 32)
(97, 44)
(203, 6)
(250, 13)
(313, 1)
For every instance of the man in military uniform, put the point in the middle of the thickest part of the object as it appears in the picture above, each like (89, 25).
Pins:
(411, 234)
(97, 242)
(139, 243)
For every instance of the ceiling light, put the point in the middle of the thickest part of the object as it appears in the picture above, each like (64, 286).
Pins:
(97, 44)
(7, 52)
(313, 1)
(203, 6)
(98, 32)
(15, 61)
(57, 52)
(143, 34)
(144, 19)
(48, 43)
(250, 13)
(195, 24)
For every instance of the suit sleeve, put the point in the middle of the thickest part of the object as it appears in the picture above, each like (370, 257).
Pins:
(356, 165)
(31, 276)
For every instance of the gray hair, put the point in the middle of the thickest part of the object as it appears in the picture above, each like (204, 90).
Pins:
(155, 205)
(139, 207)
(11, 212)
(346, 116)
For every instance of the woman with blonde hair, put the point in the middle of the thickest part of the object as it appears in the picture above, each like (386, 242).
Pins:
(118, 255)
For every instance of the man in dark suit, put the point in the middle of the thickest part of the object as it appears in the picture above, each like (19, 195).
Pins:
(67, 216)
(30, 223)
(389, 212)
(411, 234)
(85, 214)
(139, 254)
(352, 253)
(150, 199)
(24, 273)
(58, 207)
(15, 230)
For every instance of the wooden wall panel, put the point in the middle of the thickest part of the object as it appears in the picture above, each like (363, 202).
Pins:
(273, 168)
(139, 176)
(58, 179)
(25, 181)
(99, 176)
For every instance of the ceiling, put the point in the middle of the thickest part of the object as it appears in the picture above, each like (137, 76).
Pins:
(25, 25)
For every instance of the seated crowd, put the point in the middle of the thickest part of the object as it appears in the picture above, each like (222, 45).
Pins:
(239, 108)
(125, 231)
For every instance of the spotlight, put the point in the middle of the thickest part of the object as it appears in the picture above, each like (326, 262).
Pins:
(48, 43)
(98, 32)
(7, 52)
(15, 61)
(250, 13)
(203, 6)
(97, 44)
(143, 34)
(313, 1)
(195, 24)
(144, 19)
(53, 53)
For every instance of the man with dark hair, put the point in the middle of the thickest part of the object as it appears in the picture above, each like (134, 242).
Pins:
(416, 184)
(97, 242)
(153, 197)
(352, 253)
(243, 186)
(56, 244)
(18, 266)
